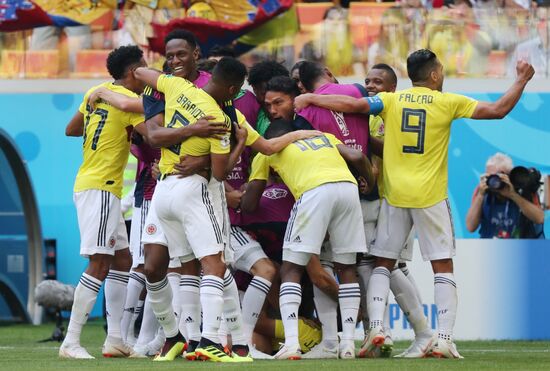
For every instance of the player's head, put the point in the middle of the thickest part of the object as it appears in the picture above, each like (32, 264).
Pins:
(206, 65)
(217, 52)
(277, 128)
(424, 69)
(181, 52)
(295, 75)
(279, 97)
(228, 78)
(381, 77)
(313, 74)
(121, 62)
(261, 73)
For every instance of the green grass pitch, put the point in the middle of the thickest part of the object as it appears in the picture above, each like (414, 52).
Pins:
(19, 350)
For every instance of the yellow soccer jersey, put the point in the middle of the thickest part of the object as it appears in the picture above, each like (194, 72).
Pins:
(417, 129)
(185, 104)
(253, 135)
(305, 164)
(106, 146)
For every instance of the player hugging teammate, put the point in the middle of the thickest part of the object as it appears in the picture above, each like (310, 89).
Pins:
(231, 209)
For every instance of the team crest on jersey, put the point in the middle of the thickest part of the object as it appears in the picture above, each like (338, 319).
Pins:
(151, 229)
(112, 242)
(275, 193)
(224, 142)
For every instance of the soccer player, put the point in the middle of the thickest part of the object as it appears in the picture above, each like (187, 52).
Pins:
(417, 130)
(327, 201)
(106, 131)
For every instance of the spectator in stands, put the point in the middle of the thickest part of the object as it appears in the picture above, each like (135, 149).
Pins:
(501, 212)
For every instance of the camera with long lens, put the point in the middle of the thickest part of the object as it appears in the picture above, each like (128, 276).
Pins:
(525, 181)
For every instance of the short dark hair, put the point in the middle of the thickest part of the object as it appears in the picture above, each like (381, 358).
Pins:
(420, 63)
(121, 59)
(229, 71)
(296, 66)
(283, 84)
(182, 35)
(277, 128)
(206, 65)
(310, 72)
(262, 72)
(221, 51)
(388, 69)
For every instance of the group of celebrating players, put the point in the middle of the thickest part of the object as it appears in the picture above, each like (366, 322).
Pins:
(236, 190)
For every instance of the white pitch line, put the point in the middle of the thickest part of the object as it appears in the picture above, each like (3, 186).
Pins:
(507, 350)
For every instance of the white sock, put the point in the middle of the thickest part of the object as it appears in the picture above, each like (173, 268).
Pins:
(364, 271)
(149, 324)
(85, 296)
(160, 295)
(222, 332)
(252, 303)
(190, 307)
(386, 324)
(174, 281)
(405, 296)
(349, 297)
(377, 295)
(115, 297)
(211, 295)
(327, 311)
(290, 298)
(446, 300)
(134, 288)
(410, 277)
(232, 310)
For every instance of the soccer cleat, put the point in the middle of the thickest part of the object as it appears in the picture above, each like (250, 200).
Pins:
(347, 350)
(241, 353)
(320, 351)
(173, 347)
(373, 343)
(74, 351)
(387, 348)
(191, 346)
(210, 351)
(444, 349)
(293, 353)
(256, 354)
(115, 348)
(419, 347)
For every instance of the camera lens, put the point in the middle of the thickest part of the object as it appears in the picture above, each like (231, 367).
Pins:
(494, 182)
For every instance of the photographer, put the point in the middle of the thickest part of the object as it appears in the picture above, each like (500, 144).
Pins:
(497, 206)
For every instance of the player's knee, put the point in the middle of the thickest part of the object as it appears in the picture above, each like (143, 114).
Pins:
(442, 266)
(122, 261)
(264, 268)
(99, 266)
(212, 265)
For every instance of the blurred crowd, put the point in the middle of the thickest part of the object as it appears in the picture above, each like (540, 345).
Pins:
(474, 38)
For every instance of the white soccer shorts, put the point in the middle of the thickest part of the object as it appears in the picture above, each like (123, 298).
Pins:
(185, 213)
(434, 228)
(219, 202)
(332, 208)
(247, 251)
(102, 227)
(139, 218)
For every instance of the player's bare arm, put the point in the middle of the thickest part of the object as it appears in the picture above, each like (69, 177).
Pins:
(376, 146)
(340, 103)
(219, 165)
(148, 76)
(117, 100)
(251, 197)
(75, 127)
(500, 108)
(321, 279)
(275, 145)
(160, 136)
(190, 165)
(360, 163)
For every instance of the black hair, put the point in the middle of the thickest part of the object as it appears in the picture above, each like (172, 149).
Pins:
(283, 84)
(221, 51)
(420, 63)
(388, 69)
(309, 73)
(264, 71)
(183, 35)
(278, 128)
(206, 65)
(121, 59)
(229, 71)
(166, 68)
(296, 66)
